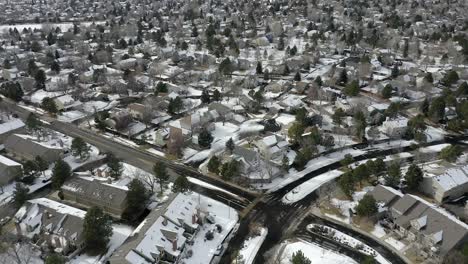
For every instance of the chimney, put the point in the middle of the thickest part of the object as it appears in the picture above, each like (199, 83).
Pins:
(174, 245)
(164, 221)
(194, 218)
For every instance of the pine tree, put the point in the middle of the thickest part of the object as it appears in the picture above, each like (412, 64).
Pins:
(343, 78)
(393, 176)
(387, 91)
(259, 68)
(115, 166)
(230, 145)
(216, 95)
(367, 206)
(395, 71)
(413, 177)
(32, 122)
(298, 257)
(49, 105)
(424, 107)
(97, 230)
(214, 164)
(40, 79)
(297, 77)
(79, 148)
(60, 173)
(55, 67)
(137, 198)
(20, 194)
(162, 177)
(41, 164)
(55, 259)
(205, 97)
(205, 138)
(181, 184)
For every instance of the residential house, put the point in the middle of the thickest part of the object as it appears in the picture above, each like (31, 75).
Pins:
(164, 233)
(395, 128)
(434, 231)
(66, 102)
(88, 192)
(9, 170)
(272, 147)
(28, 148)
(138, 111)
(448, 186)
(51, 225)
(252, 167)
(10, 126)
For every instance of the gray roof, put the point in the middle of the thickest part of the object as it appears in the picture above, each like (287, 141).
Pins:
(403, 205)
(98, 190)
(385, 195)
(29, 148)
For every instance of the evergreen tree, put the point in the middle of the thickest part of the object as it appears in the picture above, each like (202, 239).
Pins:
(450, 153)
(79, 148)
(337, 117)
(115, 166)
(428, 78)
(346, 183)
(137, 198)
(40, 79)
(161, 87)
(393, 176)
(205, 97)
(32, 122)
(462, 89)
(49, 105)
(230, 145)
(450, 78)
(41, 164)
(395, 71)
(437, 109)
(181, 184)
(367, 206)
(369, 260)
(175, 105)
(424, 107)
(30, 172)
(205, 138)
(413, 177)
(60, 173)
(318, 81)
(387, 91)
(97, 230)
(343, 78)
(55, 259)
(259, 68)
(298, 257)
(352, 89)
(225, 67)
(162, 177)
(214, 164)
(12, 90)
(216, 95)
(20, 194)
(55, 67)
(295, 131)
(297, 77)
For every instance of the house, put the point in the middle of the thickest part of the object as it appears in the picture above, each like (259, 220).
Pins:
(65, 102)
(164, 233)
(252, 167)
(88, 192)
(51, 224)
(272, 146)
(9, 170)
(28, 148)
(448, 186)
(10, 126)
(395, 128)
(138, 111)
(434, 230)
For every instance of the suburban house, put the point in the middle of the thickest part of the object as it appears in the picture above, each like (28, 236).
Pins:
(10, 126)
(9, 170)
(435, 231)
(138, 111)
(51, 225)
(252, 167)
(66, 102)
(395, 128)
(448, 186)
(272, 146)
(88, 192)
(164, 233)
(27, 147)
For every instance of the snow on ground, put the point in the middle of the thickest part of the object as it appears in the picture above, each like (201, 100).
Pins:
(309, 186)
(76, 162)
(204, 250)
(157, 152)
(378, 231)
(395, 243)
(70, 116)
(434, 134)
(251, 246)
(209, 186)
(312, 165)
(346, 205)
(6, 192)
(120, 233)
(39, 95)
(352, 242)
(24, 253)
(314, 252)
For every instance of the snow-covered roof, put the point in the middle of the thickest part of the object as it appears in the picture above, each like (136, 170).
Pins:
(452, 178)
(10, 125)
(8, 162)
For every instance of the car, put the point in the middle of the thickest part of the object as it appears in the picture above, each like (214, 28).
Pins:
(219, 250)
(4, 220)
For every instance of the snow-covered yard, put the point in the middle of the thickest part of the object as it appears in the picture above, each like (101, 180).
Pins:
(120, 233)
(251, 246)
(314, 252)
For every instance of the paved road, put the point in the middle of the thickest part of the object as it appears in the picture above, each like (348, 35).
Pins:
(239, 198)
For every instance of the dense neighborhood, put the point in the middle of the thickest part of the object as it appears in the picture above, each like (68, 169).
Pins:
(208, 131)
